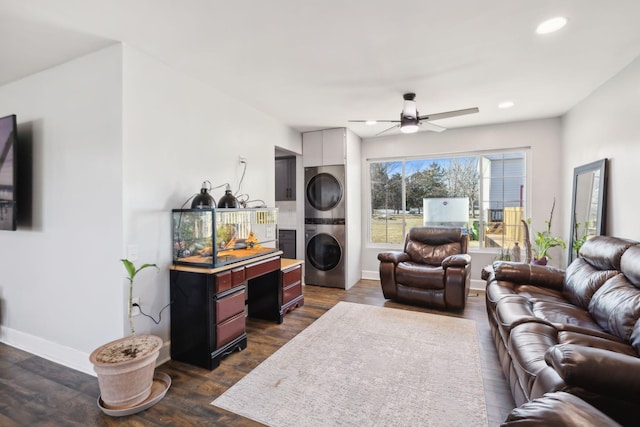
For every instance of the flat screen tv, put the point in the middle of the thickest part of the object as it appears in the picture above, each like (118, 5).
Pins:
(8, 166)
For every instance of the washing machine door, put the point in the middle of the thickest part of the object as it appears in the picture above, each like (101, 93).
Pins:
(324, 191)
(324, 252)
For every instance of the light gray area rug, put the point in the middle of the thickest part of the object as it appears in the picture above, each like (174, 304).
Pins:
(360, 365)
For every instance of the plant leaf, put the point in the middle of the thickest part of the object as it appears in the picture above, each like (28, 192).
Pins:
(131, 269)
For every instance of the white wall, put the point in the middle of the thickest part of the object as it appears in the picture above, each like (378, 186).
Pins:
(118, 141)
(60, 292)
(605, 125)
(179, 133)
(543, 136)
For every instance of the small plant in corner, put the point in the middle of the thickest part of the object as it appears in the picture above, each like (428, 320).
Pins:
(132, 271)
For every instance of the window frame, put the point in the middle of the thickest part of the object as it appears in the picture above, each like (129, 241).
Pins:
(526, 151)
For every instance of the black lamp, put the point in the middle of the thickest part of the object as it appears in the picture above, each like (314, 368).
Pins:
(204, 199)
(228, 200)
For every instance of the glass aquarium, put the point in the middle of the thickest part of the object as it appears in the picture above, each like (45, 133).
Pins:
(217, 237)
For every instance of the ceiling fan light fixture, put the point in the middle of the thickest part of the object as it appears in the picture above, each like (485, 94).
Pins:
(408, 124)
(409, 128)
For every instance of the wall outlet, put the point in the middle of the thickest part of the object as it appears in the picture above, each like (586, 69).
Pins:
(135, 310)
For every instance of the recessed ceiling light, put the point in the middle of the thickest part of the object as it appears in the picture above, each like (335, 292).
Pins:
(506, 104)
(551, 25)
(371, 122)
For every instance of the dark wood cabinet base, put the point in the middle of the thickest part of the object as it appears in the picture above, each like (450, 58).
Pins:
(295, 303)
(209, 307)
(238, 344)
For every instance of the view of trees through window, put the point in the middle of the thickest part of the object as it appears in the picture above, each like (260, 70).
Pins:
(483, 193)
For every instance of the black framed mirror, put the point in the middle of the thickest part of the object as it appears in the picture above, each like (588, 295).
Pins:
(588, 204)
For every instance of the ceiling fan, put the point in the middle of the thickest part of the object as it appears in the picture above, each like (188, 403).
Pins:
(410, 121)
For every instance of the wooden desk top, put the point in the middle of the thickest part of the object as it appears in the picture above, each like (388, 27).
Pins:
(288, 263)
(207, 270)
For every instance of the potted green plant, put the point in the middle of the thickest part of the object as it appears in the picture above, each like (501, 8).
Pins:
(544, 241)
(125, 367)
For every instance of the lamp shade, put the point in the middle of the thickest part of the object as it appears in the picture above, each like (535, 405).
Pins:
(204, 199)
(228, 200)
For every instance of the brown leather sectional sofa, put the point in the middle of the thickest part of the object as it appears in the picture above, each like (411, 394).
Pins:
(575, 331)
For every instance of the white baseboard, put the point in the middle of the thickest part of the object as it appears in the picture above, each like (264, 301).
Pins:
(371, 275)
(476, 284)
(60, 354)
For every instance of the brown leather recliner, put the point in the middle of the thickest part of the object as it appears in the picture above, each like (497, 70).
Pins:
(433, 270)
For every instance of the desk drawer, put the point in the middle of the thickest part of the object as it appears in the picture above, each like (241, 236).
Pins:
(229, 306)
(262, 267)
(223, 281)
(289, 277)
(237, 276)
(229, 330)
(291, 292)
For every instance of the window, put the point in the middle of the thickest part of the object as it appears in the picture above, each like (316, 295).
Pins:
(481, 192)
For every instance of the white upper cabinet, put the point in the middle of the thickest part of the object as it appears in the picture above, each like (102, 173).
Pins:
(324, 147)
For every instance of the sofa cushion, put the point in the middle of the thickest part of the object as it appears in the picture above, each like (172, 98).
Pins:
(604, 253)
(564, 314)
(586, 340)
(630, 265)
(583, 280)
(528, 343)
(420, 275)
(428, 254)
(616, 307)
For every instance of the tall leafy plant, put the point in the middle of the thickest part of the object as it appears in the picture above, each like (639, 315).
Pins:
(132, 271)
(544, 240)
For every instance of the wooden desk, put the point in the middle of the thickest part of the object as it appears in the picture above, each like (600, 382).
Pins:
(209, 307)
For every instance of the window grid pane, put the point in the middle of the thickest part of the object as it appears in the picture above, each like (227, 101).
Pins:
(446, 191)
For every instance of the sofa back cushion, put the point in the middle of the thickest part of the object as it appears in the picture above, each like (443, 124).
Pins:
(430, 245)
(615, 306)
(630, 265)
(604, 252)
(582, 280)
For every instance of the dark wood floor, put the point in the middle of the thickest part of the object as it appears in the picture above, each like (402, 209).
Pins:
(34, 391)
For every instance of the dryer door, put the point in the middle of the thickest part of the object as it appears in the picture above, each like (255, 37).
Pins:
(324, 252)
(324, 191)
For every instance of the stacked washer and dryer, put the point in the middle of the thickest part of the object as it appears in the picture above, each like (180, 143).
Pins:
(333, 214)
(324, 227)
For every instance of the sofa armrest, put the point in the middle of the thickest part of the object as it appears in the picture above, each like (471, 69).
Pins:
(530, 274)
(595, 369)
(457, 260)
(393, 256)
(557, 409)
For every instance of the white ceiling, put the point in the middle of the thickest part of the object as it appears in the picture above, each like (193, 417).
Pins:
(316, 64)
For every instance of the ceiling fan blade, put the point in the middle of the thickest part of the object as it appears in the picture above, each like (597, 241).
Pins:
(432, 127)
(455, 113)
(387, 129)
(378, 121)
